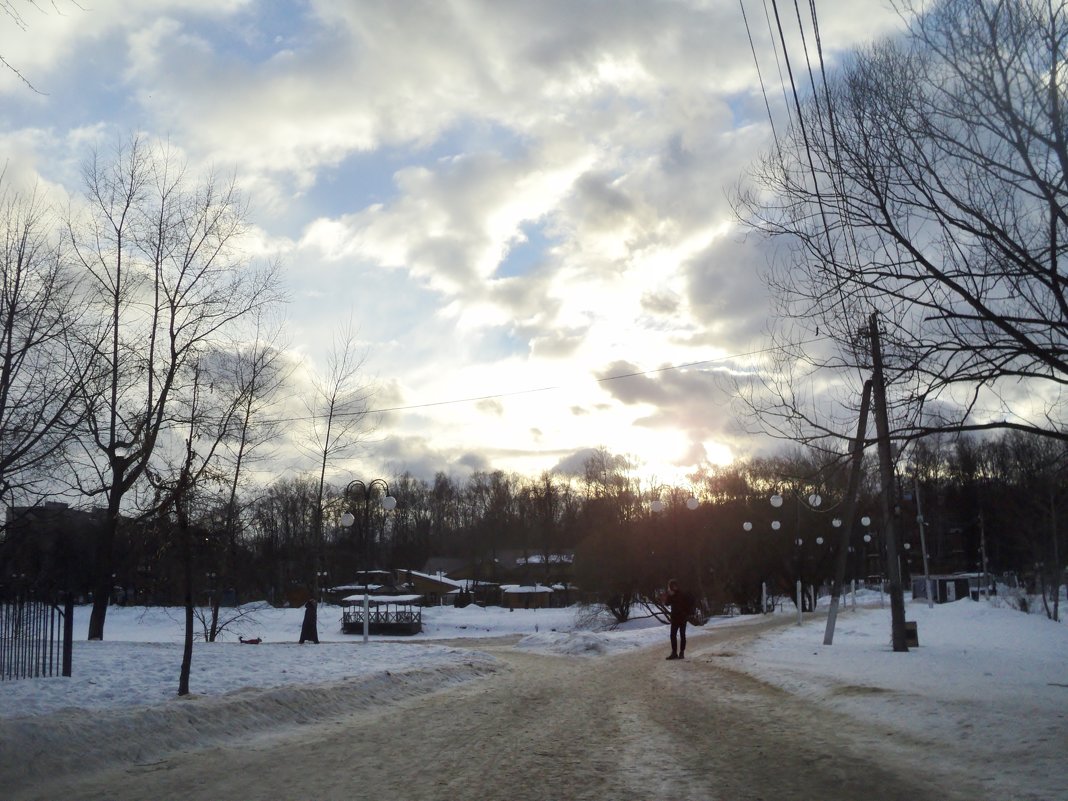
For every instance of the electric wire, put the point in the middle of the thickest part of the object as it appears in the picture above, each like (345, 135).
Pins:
(760, 77)
(531, 390)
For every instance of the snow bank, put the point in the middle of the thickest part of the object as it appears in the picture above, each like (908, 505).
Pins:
(141, 734)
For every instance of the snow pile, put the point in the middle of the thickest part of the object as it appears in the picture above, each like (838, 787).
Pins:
(136, 733)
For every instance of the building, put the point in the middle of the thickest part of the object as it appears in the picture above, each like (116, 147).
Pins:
(526, 596)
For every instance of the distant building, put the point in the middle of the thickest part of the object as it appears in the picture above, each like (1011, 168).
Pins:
(946, 588)
(436, 590)
(526, 596)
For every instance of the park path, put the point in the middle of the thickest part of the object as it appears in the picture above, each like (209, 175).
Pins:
(619, 727)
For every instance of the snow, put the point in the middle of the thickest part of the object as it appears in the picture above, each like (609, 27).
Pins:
(982, 669)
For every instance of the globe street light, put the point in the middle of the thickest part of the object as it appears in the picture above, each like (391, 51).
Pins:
(365, 492)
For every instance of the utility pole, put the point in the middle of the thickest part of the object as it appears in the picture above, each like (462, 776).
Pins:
(886, 474)
(850, 514)
(923, 545)
(983, 585)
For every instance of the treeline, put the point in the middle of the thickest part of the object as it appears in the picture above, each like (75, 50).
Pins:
(989, 505)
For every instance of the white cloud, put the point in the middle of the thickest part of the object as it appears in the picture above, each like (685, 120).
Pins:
(611, 129)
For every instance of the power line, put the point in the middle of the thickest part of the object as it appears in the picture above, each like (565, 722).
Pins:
(534, 390)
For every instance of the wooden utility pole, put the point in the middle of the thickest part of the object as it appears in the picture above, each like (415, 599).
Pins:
(922, 524)
(886, 474)
(850, 514)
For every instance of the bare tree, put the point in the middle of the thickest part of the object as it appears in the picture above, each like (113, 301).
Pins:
(179, 482)
(339, 412)
(927, 181)
(160, 253)
(210, 407)
(251, 376)
(40, 380)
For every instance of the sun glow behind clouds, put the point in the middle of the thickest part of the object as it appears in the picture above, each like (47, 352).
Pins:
(503, 196)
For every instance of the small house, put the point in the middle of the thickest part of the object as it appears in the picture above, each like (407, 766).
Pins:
(526, 596)
(435, 590)
(947, 588)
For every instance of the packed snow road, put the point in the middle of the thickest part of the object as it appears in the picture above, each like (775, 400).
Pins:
(626, 726)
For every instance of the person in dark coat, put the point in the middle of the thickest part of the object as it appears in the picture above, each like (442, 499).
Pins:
(309, 630)
(681, 605)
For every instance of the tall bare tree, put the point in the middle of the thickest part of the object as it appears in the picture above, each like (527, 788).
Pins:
(249, 378)
(160, 251)
(40, 380)
(927, 181)
(339, 419)
(186, 469)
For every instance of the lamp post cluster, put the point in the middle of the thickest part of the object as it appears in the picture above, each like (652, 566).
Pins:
(812, 502)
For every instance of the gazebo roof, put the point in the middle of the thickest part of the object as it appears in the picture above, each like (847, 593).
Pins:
(378, 600)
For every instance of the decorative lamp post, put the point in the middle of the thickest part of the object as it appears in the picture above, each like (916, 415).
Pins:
(211, 576)
(365, 492)
(320, 576)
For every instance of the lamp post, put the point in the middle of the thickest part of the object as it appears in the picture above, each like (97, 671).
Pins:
(365, 492)
(320, 576)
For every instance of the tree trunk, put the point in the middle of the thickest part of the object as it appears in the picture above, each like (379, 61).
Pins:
(187, 651)
(102, 587)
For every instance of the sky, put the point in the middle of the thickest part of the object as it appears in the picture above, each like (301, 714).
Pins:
(986, 683)
(521, 208)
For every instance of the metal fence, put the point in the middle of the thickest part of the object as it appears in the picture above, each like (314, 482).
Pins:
(35, 637)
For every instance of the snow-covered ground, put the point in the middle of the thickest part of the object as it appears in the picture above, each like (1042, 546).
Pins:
(138, 661)
(982, 669)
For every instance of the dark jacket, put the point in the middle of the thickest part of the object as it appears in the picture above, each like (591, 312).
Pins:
(681, 605)
(309, 630)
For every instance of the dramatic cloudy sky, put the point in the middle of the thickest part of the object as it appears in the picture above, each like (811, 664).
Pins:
(516, 203)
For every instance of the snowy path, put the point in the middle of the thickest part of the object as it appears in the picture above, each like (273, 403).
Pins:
(626, 726)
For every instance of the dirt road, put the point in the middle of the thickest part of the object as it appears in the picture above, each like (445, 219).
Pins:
(629, 726)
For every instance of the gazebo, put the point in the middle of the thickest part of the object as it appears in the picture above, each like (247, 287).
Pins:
(386, 614)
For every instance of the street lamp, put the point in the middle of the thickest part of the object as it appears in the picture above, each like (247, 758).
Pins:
(211, 576)
(365, 492)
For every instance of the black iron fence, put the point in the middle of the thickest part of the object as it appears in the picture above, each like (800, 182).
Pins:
(35, 636)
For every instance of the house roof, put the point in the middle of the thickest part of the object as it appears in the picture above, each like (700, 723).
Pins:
(444, 564)
(520, 589)
(429, 577)
(350, 587)
(541, 559)
(378, 600)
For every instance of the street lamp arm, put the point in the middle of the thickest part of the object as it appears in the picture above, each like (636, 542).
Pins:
(366, 490)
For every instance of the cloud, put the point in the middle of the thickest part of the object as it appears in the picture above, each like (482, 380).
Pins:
(504, 195)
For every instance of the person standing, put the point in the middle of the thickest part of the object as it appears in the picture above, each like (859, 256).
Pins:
(309, 630)
(680, 605)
